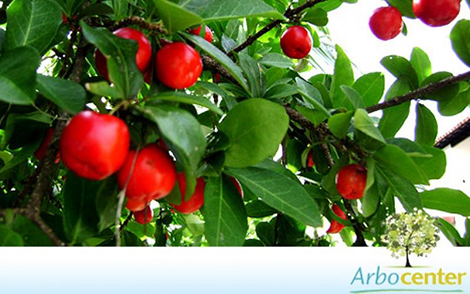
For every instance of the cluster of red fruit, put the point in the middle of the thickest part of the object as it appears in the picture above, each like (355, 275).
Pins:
(177, 65)
(386, 22)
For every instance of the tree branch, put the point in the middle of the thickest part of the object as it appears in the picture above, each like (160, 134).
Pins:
(153, 28)
(289, 14)
(426, 90)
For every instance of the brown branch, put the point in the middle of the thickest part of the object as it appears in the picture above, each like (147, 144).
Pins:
(426, 90)
(213, 65)
(154, 28)
(126, 221)
(289, 14)
(360, 241)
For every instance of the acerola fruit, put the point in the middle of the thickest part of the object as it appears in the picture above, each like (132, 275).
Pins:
(296, 42)
(94, 145)
(310, 162)
(153, 177)
(42, 149)
(386, 23)
(351, 181)
(142, 57)
(207, 36)
(178, 65)
(197, 199)
(336, 227)
(136, 204)
(144, 216)
(436, 13)
(237, 185)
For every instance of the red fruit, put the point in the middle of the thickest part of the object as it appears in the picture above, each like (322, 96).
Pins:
(196, 201)
(436, 13)
(42, 149)
(237, 185)
(386, 23)
(351, 181)
(144, 216)
(136, 204)
(310, 162)
(178, 65)
(207, 36)
(94, 145)
(216, 78)
(296, 42)
(336, 227)
(153, 177)
(142, 57)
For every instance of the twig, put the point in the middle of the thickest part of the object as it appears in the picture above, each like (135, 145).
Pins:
(426, 90)
(290, 14)
(153, 28)
(360, 241)
(124, 224)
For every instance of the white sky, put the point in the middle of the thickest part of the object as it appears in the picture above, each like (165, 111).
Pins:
(349, 28)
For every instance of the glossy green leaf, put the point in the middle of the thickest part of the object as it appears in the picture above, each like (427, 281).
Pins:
(433, 166)
(183, 133)
(400, 67)
(353, 99)
(107, 203)
(393, 118)
(175, 17)
(221, 57)
(455, 105)
(2, 39)
(211, 10)
(276, 60)
(120, 53)
(364, 124)
(371, 87)
(8, 237)
(343, 75)
(402, 188)
(18, 75)
(421, 63)
(396, 160)
(460, 38)
(188, 99)
(405, 7)
(66, 94)
(311, 96)
(281, 91)
(448, 200)
(426, 126)
(450, 232)
(258, 208)
(224, 213)
(329, 5)
(316, 16)
(444, 94)
(32, 22)
(280, 192)
(255, 128)
(252, 72)
(31, 234)
(339, 123)
(266, 233)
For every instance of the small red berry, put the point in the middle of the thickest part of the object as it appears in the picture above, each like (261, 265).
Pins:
(296, 42)
(136, 204)
(144, 216)
(197, 199)
(310, 162)
(237, 185)
(207, 36)
(336, 227)
(386, 23)
(351, 181)
(436, 13)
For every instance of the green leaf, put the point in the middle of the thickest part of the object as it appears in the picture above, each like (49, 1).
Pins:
(18, 75)
(353, 98)
(80, 213)
(120, 53)
(176, 18)
(371, 87)
(316, 16)
(402, 188)
(394, 117)
(364, 124)
(456, 105)
(221, 57)
(405, 7)
(339, 124)
(426, 126)
(31, 233)
(224, 213)
(259, 209)
(266, 233)
(396, 160)
(281, 91)
(312, 96)
(450, 232)
(400, 67)
(421, 63)
(8, 237)
(253, 75)
(183, 133)
(187, 99)
(280, 192)
(448, 200)
(434, 166)
(103, 88)
(444, 94)
(343, 75)
(66, 94)
(96, 9)
(2, 40)
(276, 60)
(107, 203)
(255, 128)
(460, 38)
(212, 10)
(32, 22)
